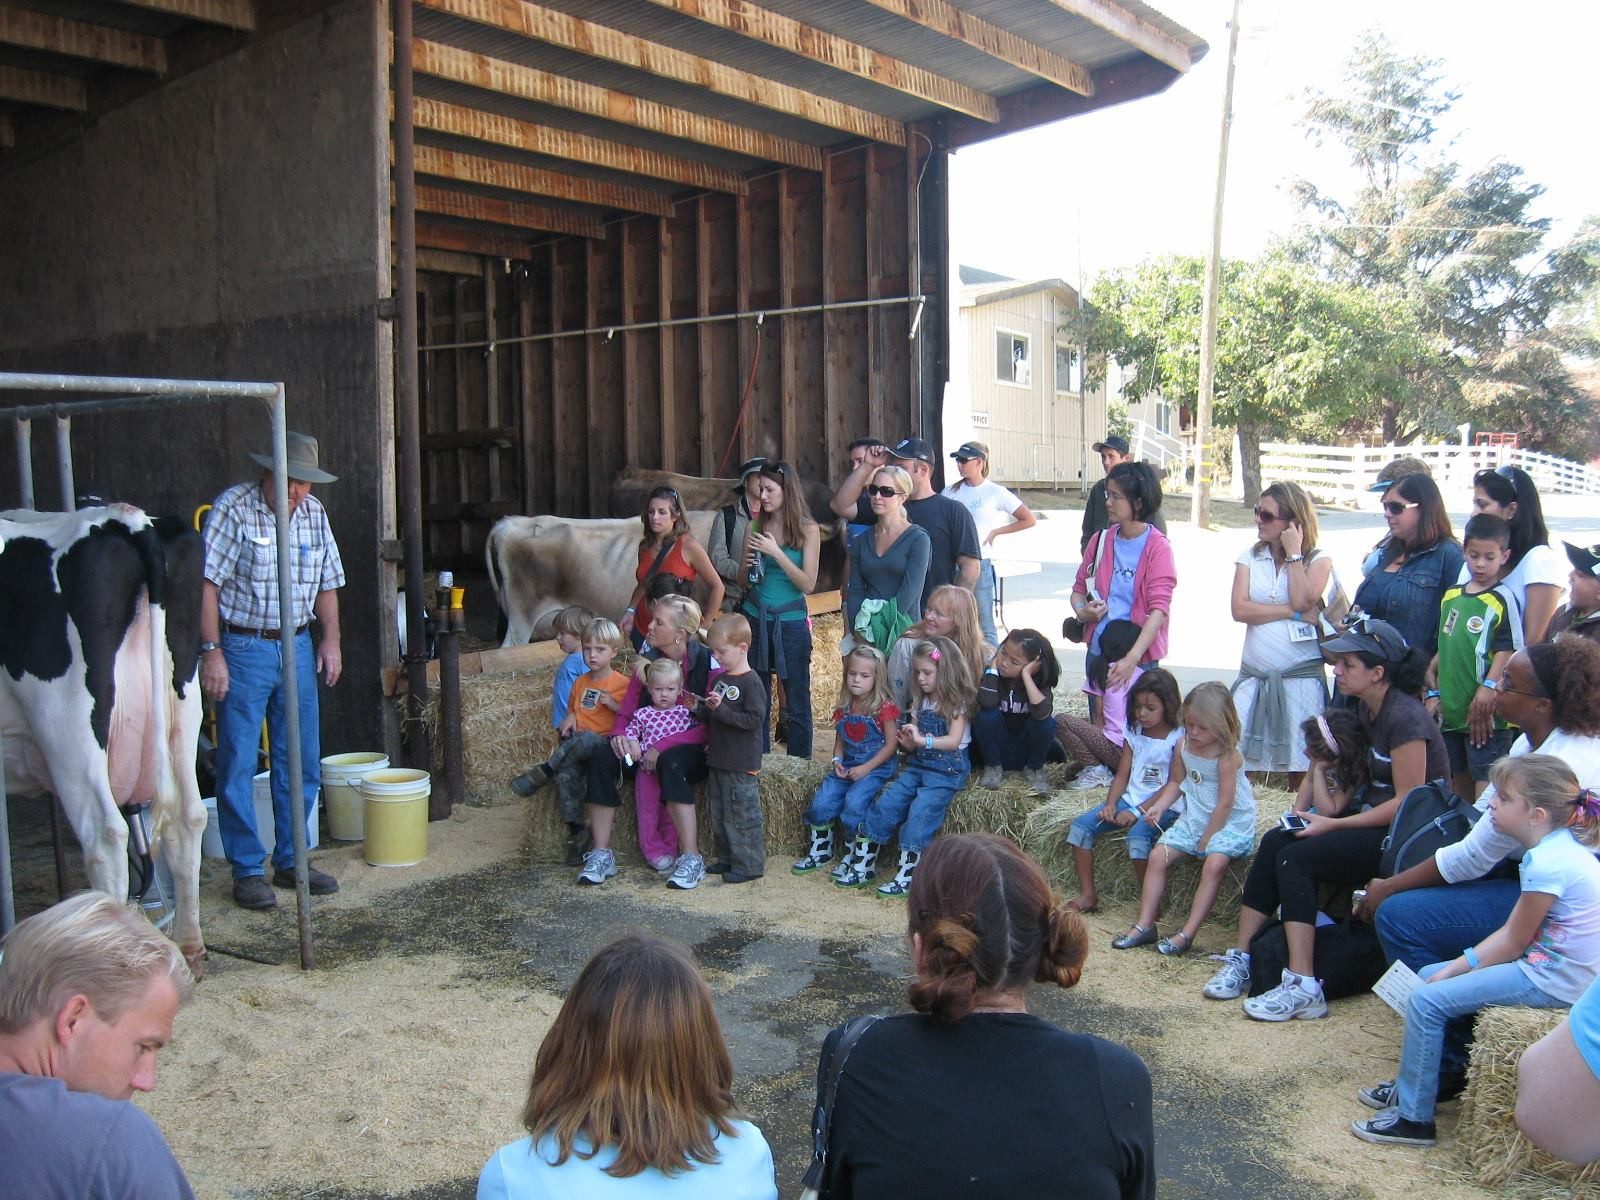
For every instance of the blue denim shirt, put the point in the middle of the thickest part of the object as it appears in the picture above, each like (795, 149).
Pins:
(943, 762)
(1409, 598)
(862, 737)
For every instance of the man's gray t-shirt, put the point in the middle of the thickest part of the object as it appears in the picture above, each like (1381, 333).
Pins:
(57, 1144)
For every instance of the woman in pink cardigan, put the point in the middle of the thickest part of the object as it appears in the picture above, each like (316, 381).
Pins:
(1130, 579)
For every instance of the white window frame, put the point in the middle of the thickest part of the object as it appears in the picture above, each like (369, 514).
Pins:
(1027, 341)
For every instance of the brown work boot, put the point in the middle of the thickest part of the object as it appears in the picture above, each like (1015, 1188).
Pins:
(254, 892)
(319, 883)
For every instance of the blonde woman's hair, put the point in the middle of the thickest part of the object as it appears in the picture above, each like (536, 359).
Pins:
(955, 691)
(1296, 506)
(899, 477)
(1211, 704)
(983, 457)
(658, 672)
(90, 945)
(1547, 782)
(881, 692)
(962, 606)
(683, 612)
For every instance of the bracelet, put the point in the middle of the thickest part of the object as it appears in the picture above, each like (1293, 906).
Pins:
(208, 647)
(1431, 694)
(1471, 955)
(927, 742)
(1491, 684)
(628, 612)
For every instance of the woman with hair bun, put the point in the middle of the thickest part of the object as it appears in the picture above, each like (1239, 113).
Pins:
(970, 1095)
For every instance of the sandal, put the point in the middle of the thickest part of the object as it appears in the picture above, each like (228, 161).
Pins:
(1170, 947)
(1072, 906)
(1137, 936)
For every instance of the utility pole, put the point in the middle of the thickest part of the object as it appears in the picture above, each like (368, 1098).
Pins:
(1200, 511)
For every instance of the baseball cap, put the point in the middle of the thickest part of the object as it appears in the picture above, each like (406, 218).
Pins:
(968, 450)
(748, 468)
(1115, 442)
(913, 448)
(1584, 558)
(1398, 468)
(1367, 635)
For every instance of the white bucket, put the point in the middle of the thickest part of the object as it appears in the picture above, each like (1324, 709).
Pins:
(396, 817)
(264, 824)
(341, 784)
(211, 840)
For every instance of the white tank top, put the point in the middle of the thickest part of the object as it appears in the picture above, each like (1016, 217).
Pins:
(1152, 762)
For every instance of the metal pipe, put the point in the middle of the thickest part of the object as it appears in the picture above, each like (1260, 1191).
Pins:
(25, 381)
(118, 404)
(406, 380)
(24, 432)
(8, 908)
(454, 790)
(759, 313)
(69, 494)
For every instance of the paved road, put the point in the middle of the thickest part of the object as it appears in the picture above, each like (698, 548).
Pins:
(1205, 641)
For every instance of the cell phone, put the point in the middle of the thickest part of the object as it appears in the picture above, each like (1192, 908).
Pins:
(1293, 822)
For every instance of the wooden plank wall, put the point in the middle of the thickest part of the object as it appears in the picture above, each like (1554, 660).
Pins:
(545, 426)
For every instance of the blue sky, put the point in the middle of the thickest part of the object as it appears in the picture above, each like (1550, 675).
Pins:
(1137, 180)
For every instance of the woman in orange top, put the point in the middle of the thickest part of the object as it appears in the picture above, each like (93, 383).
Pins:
(665, 525)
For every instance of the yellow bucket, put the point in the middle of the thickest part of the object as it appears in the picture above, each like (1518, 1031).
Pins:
(341, 791)
(396, 810)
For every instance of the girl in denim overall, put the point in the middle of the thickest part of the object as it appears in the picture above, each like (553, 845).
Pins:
(863, 756)
(915, 801)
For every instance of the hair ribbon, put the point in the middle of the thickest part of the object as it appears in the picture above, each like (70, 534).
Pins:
(933, 655)
(1587, 802)
(1327, 733)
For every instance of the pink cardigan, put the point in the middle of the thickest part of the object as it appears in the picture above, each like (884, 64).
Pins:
(1153, 581)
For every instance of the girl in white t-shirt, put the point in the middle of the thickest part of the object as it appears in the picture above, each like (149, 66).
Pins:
(1537, 578)
(995, 511)
(1544, 956)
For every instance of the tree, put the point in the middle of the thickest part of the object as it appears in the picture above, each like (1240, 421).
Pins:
(1464, 250)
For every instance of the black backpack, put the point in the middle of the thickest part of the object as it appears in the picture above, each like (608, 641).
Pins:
(1348, 956)
(1431, 816)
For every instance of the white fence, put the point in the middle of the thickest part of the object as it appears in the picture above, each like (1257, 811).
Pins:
(1343, 473)
(1162, 451)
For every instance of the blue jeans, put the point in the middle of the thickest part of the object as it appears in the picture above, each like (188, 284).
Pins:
(1142, 835)
(1432, 1007)
(914, 802)
(985, 592)
(1429, 925)
(255, 690)
(797, 718)
(846, 800)
(998, 746)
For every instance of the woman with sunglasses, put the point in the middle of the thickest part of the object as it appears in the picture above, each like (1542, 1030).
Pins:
(1418, 562)
(1424, 915)
(888, 565)
(667, 548)
(1537, 574)
(1279, 586)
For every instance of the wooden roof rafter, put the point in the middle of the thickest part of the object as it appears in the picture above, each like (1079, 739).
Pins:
(78, 39)
(434, 235)
(577, 147)
(960, 26)
(230, 14)
(1132, 29)
(41, 88)
(490, 210)
(8, 133)
(560, 91)
(818, 45)
(603, 42)
(515, 177)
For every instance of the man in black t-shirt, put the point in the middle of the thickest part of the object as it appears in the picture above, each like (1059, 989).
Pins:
(956, 556)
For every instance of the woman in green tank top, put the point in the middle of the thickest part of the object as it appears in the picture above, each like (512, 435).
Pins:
(781, 559)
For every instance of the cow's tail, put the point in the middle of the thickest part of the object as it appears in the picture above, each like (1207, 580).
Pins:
(153, 556)
(491, 554)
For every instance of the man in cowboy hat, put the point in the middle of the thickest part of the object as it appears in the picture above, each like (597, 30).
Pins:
(240, 666)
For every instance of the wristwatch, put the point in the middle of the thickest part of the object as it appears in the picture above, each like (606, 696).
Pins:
(1289, 558)
(208, 647)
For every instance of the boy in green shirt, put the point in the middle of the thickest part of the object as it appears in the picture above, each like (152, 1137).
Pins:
(1479, 628)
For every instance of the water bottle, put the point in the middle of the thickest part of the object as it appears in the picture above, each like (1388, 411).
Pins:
(757, 569)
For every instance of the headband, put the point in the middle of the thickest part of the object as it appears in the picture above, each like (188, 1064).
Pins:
(1327, 734)
(1544, 667)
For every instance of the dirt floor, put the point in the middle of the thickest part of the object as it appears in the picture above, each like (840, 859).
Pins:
(401, 1062)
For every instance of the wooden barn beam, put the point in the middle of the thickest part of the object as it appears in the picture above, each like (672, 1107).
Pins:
(560, 91)
(514, 177)
(953, 23)
(1132, 29)
(818, 45)
(473, 241)
(600, 41)
(8, 132)
(78, 39)
(36, 87)
(576, 147)
(230, 14)
(488, 209)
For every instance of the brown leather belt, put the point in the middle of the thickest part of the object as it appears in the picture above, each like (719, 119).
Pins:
(270, 635)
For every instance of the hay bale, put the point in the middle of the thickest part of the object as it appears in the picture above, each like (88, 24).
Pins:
(827, 668)
(1044, 836)
(1501, 1157)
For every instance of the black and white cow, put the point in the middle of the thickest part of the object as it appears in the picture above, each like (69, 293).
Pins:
(99, 691)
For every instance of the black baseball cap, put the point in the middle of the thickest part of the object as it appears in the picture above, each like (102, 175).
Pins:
(1115, 442)
(967, 451)
(1368, 635)
(916, 448)
(1584, 558)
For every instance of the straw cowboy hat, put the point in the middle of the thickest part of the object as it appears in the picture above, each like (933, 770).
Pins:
(302, 460)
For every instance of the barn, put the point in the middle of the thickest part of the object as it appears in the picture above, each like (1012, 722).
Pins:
(653, 232)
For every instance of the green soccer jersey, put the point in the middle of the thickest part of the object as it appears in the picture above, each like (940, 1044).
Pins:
(1472, 630)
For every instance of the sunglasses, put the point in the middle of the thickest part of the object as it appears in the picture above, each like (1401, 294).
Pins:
(1394, 507)
(1269, 517)
(881, 490)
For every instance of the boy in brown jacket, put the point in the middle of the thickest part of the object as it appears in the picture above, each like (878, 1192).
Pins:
(734, 710)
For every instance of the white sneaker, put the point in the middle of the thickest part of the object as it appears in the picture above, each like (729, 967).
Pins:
(1232, 979)
(663, 864)
(686, 876)
(1093, 777)
(1297, 998)
(598, 866)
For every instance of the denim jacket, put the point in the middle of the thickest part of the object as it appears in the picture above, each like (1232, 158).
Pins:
(1409, 598)
(941, 762)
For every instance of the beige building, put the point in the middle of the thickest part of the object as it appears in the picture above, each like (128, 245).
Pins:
(1026, 382)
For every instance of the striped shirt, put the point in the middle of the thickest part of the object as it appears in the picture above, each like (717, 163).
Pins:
(242, 557)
